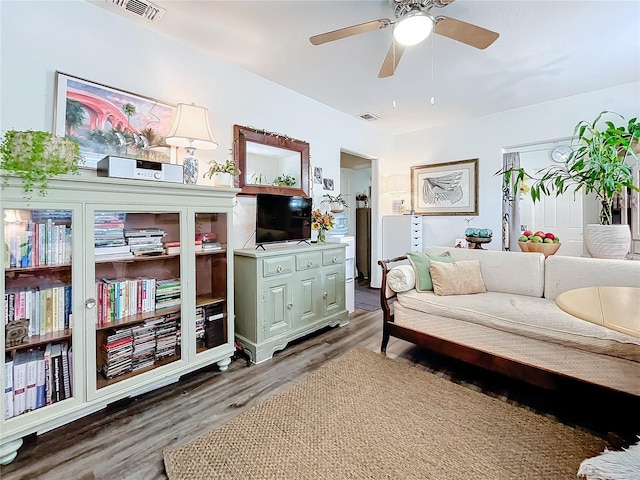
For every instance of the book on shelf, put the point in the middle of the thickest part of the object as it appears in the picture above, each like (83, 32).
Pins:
(32, 377)
(8, 389)
(41, 394)
(19, 383)
(111, 249)
(48, 375)
(57, 393)
(66, 381)
(211, 246)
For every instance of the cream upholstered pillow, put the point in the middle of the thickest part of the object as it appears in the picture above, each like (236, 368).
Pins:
(457, 278)
(420, 263)
(401, 278)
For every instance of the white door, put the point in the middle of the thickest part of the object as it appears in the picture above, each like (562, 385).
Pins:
(560, 215)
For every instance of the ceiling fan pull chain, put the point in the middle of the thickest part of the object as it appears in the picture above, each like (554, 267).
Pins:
(393, 43)
(433, 67)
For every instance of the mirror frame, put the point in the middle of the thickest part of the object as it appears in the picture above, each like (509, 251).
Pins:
(242, 135)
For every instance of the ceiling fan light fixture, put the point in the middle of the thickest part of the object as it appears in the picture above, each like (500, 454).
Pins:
(413, 28)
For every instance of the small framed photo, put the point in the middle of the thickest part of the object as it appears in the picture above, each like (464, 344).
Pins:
(328, 184)
(317, 175)
(445, 188)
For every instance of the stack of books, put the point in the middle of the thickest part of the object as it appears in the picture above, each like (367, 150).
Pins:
(168, 293)
(144, 346)
(117, 352)
(145, 241)
(199, 323)
(109, 236)
(166, 335)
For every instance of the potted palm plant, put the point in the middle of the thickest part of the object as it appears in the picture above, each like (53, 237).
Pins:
(37, 156)
(222, 174)
(599, 166)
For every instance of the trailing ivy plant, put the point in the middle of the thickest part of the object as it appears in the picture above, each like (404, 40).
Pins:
(37, 156)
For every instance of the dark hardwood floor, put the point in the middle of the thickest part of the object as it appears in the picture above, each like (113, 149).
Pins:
(126, 440)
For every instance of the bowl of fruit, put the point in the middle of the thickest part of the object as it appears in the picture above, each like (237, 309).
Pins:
(540, 242)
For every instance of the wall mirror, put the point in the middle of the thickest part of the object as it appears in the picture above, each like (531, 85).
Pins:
(270, 162)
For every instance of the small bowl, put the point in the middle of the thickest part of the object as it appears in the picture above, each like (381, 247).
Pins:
(545, 248)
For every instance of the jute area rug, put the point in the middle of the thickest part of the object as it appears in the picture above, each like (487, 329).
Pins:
(364, 416)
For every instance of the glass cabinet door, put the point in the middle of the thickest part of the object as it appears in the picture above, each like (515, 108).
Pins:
(211, 280)
(138, 293)
(38, 314)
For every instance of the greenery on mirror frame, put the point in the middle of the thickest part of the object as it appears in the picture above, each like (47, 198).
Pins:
(598, 165)
(37, 156)
(334, 199)
(227, 167)
(284, 180)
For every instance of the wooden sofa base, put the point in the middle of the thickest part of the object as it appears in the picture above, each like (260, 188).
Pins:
(510, 368)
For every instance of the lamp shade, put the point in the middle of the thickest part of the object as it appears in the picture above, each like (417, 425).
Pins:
(413, 28)
(397, 184)
(191, 128)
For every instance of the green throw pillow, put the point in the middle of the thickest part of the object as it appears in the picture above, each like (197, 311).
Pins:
(420, 263)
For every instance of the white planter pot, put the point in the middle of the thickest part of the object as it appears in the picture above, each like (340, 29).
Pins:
(222, 179)
(336, 207)
(607, 241)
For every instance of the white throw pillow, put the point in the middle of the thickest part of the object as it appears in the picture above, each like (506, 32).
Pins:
(401, 278)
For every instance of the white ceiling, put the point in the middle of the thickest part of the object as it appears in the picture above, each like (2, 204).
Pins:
(546, 50)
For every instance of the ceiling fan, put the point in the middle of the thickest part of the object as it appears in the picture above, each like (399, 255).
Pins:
(412, 25)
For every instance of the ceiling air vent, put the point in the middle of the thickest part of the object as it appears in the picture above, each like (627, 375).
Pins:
(142, 8)
(369, 117)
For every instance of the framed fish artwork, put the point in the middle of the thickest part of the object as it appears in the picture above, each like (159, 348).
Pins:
(449, 188)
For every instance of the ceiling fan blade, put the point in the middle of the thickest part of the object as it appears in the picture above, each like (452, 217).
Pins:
(388, 67)
(465, 32)
(350, 31)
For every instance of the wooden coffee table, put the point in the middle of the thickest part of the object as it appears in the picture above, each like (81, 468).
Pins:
(617, 308)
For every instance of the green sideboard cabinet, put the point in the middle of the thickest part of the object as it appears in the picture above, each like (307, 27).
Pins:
(286, 292)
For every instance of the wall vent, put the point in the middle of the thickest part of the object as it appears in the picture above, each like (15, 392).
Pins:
(142, 8)
(369, 117)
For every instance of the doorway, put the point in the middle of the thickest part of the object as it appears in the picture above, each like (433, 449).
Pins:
(562, 215)
(356, 187)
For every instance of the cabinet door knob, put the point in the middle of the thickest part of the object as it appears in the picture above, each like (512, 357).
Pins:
(309, 263)
(334, 259)
(325, 295)
(90, 302)
(290, 306)
(279, 269)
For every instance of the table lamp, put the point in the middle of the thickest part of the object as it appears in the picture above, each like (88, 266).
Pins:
(191, 130)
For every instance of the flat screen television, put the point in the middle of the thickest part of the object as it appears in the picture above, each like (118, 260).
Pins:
(282, 218)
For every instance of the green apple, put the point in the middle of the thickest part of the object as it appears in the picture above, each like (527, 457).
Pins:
(536, 239)
(523, 238)
(547, 240)
(556, 240)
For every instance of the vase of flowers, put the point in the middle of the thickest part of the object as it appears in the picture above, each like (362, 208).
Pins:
(321, 222)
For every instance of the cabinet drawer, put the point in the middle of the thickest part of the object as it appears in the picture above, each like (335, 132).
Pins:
(305, 261)
(333, 257)
(277, 266)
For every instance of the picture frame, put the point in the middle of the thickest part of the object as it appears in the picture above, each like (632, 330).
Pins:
(449, 188)
(108, 121)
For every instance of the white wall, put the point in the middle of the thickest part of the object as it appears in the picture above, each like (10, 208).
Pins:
(39, 37)
(485, 137)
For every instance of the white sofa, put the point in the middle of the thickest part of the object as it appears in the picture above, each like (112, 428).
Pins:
(515, 327)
